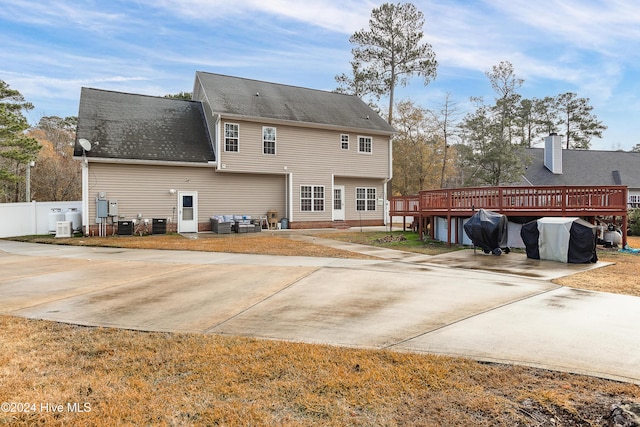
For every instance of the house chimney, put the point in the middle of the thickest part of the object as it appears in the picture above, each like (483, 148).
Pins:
(553, 153)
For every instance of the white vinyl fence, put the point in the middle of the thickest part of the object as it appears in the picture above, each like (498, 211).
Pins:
(23, 219)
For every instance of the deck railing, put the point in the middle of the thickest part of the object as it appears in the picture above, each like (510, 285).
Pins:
(405, 204)
(580, 201)
(544, 199)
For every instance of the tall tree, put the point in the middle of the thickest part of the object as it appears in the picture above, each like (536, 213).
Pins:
(446, 120)
(56, 176)
(505, 84)
(17, 150)
(576, 121)
(391, 50)
(494, 155)
(533, 119)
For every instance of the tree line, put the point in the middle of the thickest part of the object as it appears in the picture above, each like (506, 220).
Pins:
(437, 148)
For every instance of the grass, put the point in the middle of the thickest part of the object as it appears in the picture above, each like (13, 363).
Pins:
(262, 243)
(619, 278)
(136, 378)
(400, 240)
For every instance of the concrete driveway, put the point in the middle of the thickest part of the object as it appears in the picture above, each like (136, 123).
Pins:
(404, 301)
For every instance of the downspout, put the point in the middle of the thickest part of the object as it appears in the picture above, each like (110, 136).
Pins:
(387, 191)
(385, 210)
(85, 195)
(290, 196)
(216, 137)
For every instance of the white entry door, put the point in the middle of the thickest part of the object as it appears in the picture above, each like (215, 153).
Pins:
(187, 212)
(338, 203)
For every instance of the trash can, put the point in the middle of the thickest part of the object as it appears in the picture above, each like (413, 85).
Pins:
(284, 223)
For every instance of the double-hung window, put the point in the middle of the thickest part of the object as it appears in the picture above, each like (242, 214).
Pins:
(344, 141)
(231, 137)
(365, 199)
(311, 198)
(365, 144)
(268, 140)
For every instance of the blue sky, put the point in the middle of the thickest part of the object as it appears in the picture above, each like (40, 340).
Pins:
(49, 49)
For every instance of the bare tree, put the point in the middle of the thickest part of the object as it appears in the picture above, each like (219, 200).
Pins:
(446, 119)
(56, 175)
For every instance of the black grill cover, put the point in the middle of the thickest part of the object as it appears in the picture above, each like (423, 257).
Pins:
(571, 240)
(487, 229)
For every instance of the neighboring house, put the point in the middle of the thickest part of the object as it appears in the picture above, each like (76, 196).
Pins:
(553, 165)
(241, 147)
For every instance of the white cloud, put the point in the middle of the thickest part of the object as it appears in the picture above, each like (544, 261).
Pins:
(80, 16)
(344, 17)
(585, 24)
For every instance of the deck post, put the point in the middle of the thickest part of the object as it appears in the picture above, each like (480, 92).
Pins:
(625, 219)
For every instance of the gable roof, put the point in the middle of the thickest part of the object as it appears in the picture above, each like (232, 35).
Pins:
(248, 98)
(141, 127)
(586, 167)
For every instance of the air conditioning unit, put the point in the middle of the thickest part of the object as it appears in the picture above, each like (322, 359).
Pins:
(63, 229)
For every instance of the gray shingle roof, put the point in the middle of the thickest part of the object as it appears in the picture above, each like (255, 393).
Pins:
(253, 98)
(586, 167)
(140, 127)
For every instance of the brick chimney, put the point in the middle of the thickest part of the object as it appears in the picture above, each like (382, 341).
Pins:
(553, 153)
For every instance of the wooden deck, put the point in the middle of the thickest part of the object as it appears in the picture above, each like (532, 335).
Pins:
(543, 201)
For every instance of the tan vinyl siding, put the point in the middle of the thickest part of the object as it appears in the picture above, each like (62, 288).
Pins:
(350, 185)
(302, 150)
(312, 157)
(313, 178)
(145, 189)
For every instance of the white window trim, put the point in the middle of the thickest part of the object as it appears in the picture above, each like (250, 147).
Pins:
(324, 198)
(371, 144)
(367, 199)
(224, 142)
(275, 141)
(343, 142)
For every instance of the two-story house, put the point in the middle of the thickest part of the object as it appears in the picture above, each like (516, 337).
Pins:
(241, 147)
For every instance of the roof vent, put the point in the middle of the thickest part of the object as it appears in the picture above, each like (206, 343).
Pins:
(257, 93)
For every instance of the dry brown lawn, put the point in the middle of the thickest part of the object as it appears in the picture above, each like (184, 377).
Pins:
(623, 277)
(260, 243)
(108, 377)
(120, 377)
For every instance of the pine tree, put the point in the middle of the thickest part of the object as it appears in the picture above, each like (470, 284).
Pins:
(16, 149)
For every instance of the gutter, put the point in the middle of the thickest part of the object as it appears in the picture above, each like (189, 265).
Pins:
(208, 164)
